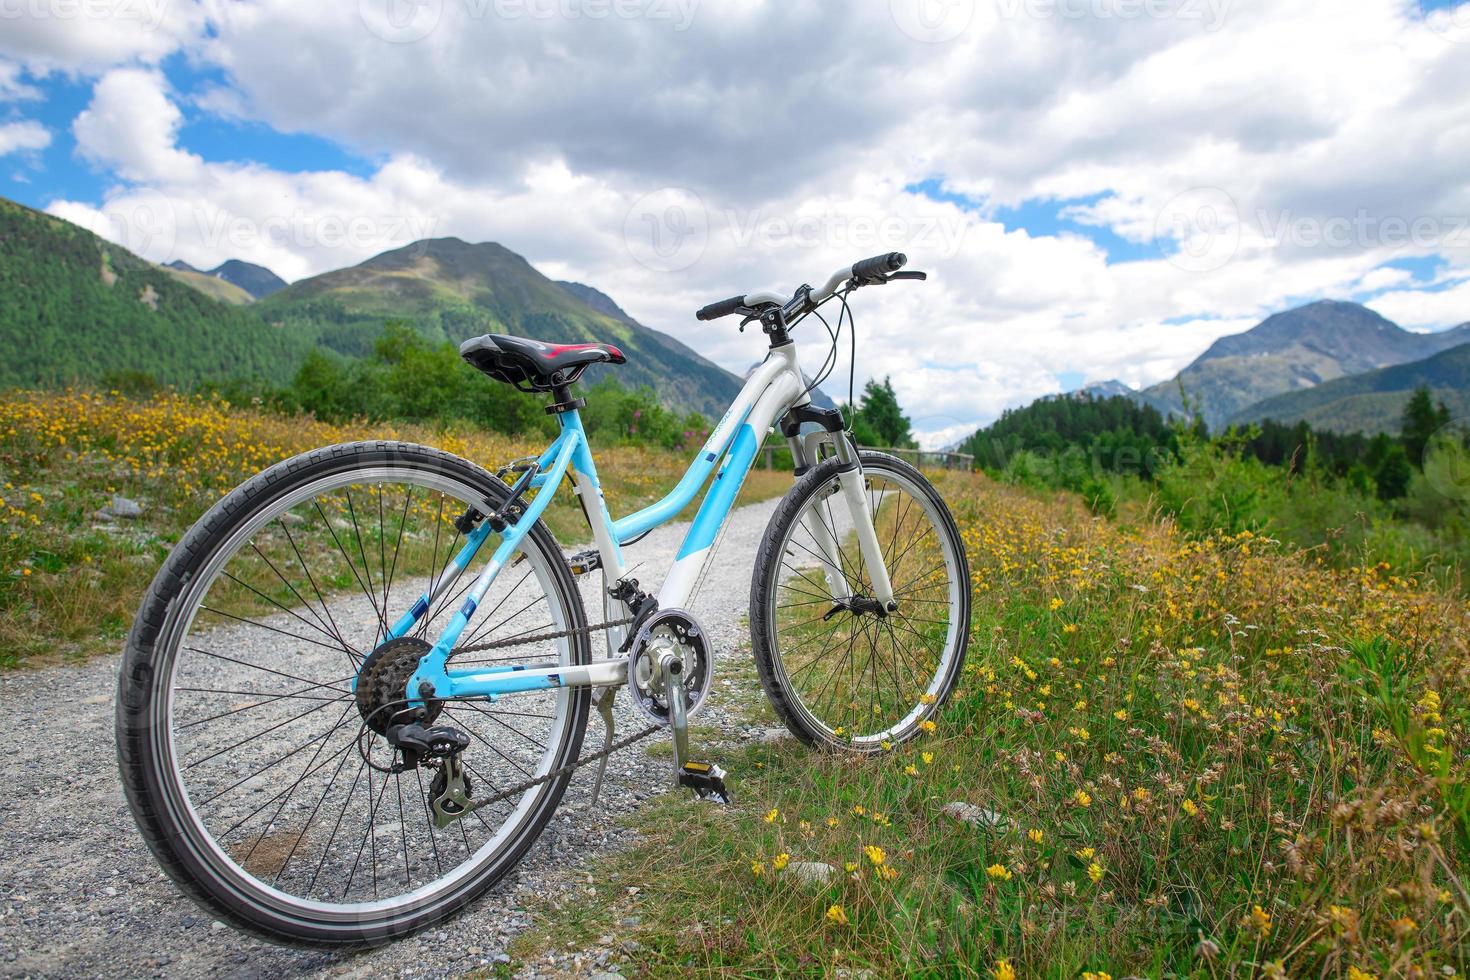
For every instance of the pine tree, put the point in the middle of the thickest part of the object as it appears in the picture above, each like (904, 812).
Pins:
(1422, 419)
(880, 412)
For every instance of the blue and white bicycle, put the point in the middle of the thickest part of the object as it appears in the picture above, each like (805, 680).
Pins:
(357, 689)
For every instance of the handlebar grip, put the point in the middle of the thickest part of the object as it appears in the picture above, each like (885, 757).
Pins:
(879, 265)
(723, 308)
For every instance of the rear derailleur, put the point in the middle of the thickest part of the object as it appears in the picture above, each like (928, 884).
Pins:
(439, 747)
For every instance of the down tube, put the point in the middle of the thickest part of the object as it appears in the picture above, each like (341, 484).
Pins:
(717, 504)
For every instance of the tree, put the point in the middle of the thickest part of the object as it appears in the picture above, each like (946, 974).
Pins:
(1393, 474)
(880, 415)
(1422, 419)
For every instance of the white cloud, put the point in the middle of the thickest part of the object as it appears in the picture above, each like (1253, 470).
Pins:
(92, 35)
(24, 135)
(12, 89)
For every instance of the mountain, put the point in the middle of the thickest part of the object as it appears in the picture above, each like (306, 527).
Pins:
(1291, 351)
(1106, 389)
(1374, 400)
(219, 289)
(75, 309)
(450, 290)
(256, 281)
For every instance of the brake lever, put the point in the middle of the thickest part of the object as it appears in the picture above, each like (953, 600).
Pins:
(909, 274)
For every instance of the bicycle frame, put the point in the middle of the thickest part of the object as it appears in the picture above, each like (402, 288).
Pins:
(772, 389)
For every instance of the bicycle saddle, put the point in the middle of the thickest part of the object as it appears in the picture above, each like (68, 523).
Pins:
(532, 364)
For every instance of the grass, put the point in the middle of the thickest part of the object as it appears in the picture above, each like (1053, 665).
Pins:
(1214, 757)
(70, 583)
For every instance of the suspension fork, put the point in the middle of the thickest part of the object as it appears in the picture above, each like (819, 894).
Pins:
(804, 450)
(850, 476)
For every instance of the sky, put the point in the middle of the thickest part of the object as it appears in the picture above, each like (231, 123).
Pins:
(1098, 188)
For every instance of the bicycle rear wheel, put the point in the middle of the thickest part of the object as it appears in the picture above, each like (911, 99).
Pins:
(250, 743)
(857, 679)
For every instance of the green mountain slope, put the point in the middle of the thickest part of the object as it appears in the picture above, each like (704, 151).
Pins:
(74, 308)
(1293, 351)
(451, 290)
(1373, 401)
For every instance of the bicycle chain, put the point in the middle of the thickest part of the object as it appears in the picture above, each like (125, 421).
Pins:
(517, 790)
(601, 754)
(515, 641)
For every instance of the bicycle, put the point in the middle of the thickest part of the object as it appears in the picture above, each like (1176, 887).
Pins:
(272, 691)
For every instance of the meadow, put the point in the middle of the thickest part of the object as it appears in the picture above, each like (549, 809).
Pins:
(70, 580)
(1185, 755)
(1201, 753)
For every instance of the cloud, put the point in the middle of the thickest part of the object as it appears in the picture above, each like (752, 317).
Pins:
(24, 135)
(93, 35)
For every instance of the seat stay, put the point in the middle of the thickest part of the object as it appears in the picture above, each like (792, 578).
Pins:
(431, 670)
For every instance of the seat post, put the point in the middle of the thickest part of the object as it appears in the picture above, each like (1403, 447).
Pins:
(565, 401)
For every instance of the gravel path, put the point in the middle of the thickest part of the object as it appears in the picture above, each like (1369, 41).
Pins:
(81, 896)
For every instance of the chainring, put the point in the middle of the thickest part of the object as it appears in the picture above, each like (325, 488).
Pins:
(676, 629)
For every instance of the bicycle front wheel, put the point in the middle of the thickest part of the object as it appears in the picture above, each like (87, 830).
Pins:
(837, 671)
(252, 749)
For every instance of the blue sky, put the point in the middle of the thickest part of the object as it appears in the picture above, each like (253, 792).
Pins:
(58, 171)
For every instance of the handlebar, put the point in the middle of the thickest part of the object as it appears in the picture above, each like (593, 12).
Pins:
(723, 308)
(878, 269)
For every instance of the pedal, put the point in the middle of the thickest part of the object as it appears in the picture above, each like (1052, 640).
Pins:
(707, 780)
(585, 561)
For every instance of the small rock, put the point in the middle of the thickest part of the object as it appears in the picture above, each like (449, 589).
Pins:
(813, 874)
(128, 510)
(974, 815)
(605, 975)
(773, 736)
